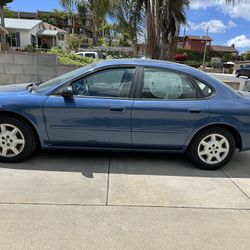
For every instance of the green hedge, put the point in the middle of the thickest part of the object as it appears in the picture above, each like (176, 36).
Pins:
(191, 54)
(65, 57)
(194, 64)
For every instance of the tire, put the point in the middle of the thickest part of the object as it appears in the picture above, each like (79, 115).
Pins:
(17, 140)
(237, 74)
(212, 148)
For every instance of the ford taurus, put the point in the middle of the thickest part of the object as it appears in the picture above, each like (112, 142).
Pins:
(126, 105)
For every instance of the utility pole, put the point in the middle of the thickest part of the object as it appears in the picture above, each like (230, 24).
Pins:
(205, 49)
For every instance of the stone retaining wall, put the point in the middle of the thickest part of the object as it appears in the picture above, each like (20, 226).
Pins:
(29, 67)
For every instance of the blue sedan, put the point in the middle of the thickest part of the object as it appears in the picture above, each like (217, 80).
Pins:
(127, 105)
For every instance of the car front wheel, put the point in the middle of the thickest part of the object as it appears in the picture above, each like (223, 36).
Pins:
(17, 140)
(212, 148)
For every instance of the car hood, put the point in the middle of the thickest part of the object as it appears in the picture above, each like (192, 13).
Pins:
(13, 88)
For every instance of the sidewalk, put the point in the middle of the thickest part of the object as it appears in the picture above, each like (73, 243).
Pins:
(112, 227)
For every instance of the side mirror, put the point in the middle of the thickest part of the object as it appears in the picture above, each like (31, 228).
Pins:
(67, 91)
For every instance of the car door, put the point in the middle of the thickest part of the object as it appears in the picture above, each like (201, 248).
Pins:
(248, 70)
(167, 109)
(98, 114)
(245, 70)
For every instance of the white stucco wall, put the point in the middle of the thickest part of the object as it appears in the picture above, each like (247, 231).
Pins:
(25, 35)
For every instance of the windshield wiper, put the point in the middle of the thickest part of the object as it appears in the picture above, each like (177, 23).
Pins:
(32, 86)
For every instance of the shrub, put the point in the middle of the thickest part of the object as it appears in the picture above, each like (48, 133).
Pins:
(102, 41)
(246, 55)
(30, 48)
(191, 54)
(73, 41)
(227, 57)
(65, 57)
(180, 57)
(216, 62)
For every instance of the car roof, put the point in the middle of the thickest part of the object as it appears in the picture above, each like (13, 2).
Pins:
(141, 62)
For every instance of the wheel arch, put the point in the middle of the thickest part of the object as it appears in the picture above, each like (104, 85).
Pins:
(231, 129)
(24, 119)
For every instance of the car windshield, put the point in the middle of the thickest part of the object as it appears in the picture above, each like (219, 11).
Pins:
(51, 84)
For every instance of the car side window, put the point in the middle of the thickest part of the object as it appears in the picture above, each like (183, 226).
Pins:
(163, 84)
(205, 89)
(105, 83)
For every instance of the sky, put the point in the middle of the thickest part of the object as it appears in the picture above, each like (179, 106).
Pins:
(227, 24)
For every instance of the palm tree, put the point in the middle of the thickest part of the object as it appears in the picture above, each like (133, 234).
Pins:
(161, 19)
(2, 4)
(97, 8)
(70, 5)
(58, 15)
(128, 21)
(172, 14)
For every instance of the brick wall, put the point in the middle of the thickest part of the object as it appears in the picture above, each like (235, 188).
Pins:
(29, 67)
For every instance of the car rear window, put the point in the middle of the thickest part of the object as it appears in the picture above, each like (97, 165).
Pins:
(205, 89)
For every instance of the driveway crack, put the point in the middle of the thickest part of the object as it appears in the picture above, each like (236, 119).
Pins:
(235, 184)
(108, 180)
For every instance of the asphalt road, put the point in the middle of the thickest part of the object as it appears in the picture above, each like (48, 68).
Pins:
(90, 200)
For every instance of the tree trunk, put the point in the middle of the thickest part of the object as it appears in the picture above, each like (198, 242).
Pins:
(3, 35)
(95, 29)
(73, 23)
(95, 36)
(152, 48)
(163, 52)
(172, 48)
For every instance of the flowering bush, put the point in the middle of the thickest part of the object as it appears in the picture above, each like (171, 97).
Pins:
(180, 57)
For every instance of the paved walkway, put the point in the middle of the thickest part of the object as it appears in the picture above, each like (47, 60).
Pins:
(83, 200)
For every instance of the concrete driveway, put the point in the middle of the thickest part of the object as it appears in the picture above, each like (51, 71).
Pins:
(91, 200)
(230, 78)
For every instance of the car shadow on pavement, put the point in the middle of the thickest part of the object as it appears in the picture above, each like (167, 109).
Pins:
(90, 163)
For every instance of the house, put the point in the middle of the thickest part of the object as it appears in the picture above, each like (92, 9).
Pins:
(219, 50)
(51, 36)
(196, 43)
(24, 32)
(80, 25)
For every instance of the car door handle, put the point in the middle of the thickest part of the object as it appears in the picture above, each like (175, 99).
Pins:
(118, 109)
(194, 110)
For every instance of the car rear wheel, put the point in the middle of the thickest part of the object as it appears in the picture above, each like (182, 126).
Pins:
(17, 140)
(212, 148)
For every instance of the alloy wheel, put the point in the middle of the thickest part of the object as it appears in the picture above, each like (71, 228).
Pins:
(12, 140)
(213, 149)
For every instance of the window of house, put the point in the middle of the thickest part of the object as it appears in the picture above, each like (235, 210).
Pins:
(61, 37)
(14, 39)
(33, 40)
